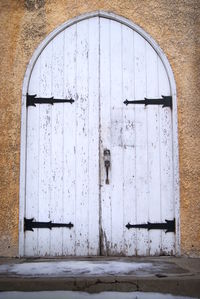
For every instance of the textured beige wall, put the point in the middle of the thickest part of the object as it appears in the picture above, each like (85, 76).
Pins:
(174, 24)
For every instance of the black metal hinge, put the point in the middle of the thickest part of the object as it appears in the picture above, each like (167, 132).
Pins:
(166, 101)
(168, 225)
(29, 224)
(32, 100)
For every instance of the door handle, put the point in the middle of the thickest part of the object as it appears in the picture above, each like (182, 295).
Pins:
(107, 163)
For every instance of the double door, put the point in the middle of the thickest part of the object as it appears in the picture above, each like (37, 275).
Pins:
(96, 168)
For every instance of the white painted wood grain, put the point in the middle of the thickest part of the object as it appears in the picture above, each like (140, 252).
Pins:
(69, 141)
(129, 197)
(93, 137)
(32, 164)
(141, 152)
(105, 135)
(166, 160)
(153, 144)
(45, 141)
(82, 171)
(116, 112)
(56, 204)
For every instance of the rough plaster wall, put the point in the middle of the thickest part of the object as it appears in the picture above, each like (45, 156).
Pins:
(174, 24)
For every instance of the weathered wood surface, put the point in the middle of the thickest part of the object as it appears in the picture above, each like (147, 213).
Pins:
(99, 63)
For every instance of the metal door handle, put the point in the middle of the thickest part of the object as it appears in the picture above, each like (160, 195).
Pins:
(107, 163)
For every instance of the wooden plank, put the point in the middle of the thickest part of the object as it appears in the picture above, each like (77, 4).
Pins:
(69, 141)
(116, 149)
(45, 151)
(56, 204)
(93, 137)
(128, 141)
(141, 179)
(105, 134)
(167, 196)
(82, 170)
(32, 162)
(153, 143)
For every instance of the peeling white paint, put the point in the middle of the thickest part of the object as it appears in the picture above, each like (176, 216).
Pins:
(49, 195)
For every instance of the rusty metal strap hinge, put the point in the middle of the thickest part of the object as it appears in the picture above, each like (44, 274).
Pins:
(166, 101)
(32, 100)
(29, 224)
(168, 226)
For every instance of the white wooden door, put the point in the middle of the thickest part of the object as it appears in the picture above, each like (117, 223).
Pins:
(99, 63)
(139, 138)
(62, 181)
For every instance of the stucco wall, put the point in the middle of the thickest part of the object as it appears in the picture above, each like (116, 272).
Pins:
(174, 24)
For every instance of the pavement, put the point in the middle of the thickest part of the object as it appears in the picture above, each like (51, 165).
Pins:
(174, 275)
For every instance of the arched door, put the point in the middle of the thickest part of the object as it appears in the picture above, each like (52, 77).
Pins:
(99, 167)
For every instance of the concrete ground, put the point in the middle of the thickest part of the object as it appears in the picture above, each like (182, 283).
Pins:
(178, 276)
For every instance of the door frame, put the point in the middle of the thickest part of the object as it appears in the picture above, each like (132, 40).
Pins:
(38, 51)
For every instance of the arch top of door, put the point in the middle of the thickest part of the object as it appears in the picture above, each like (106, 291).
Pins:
(30, 67)
(107, 15)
